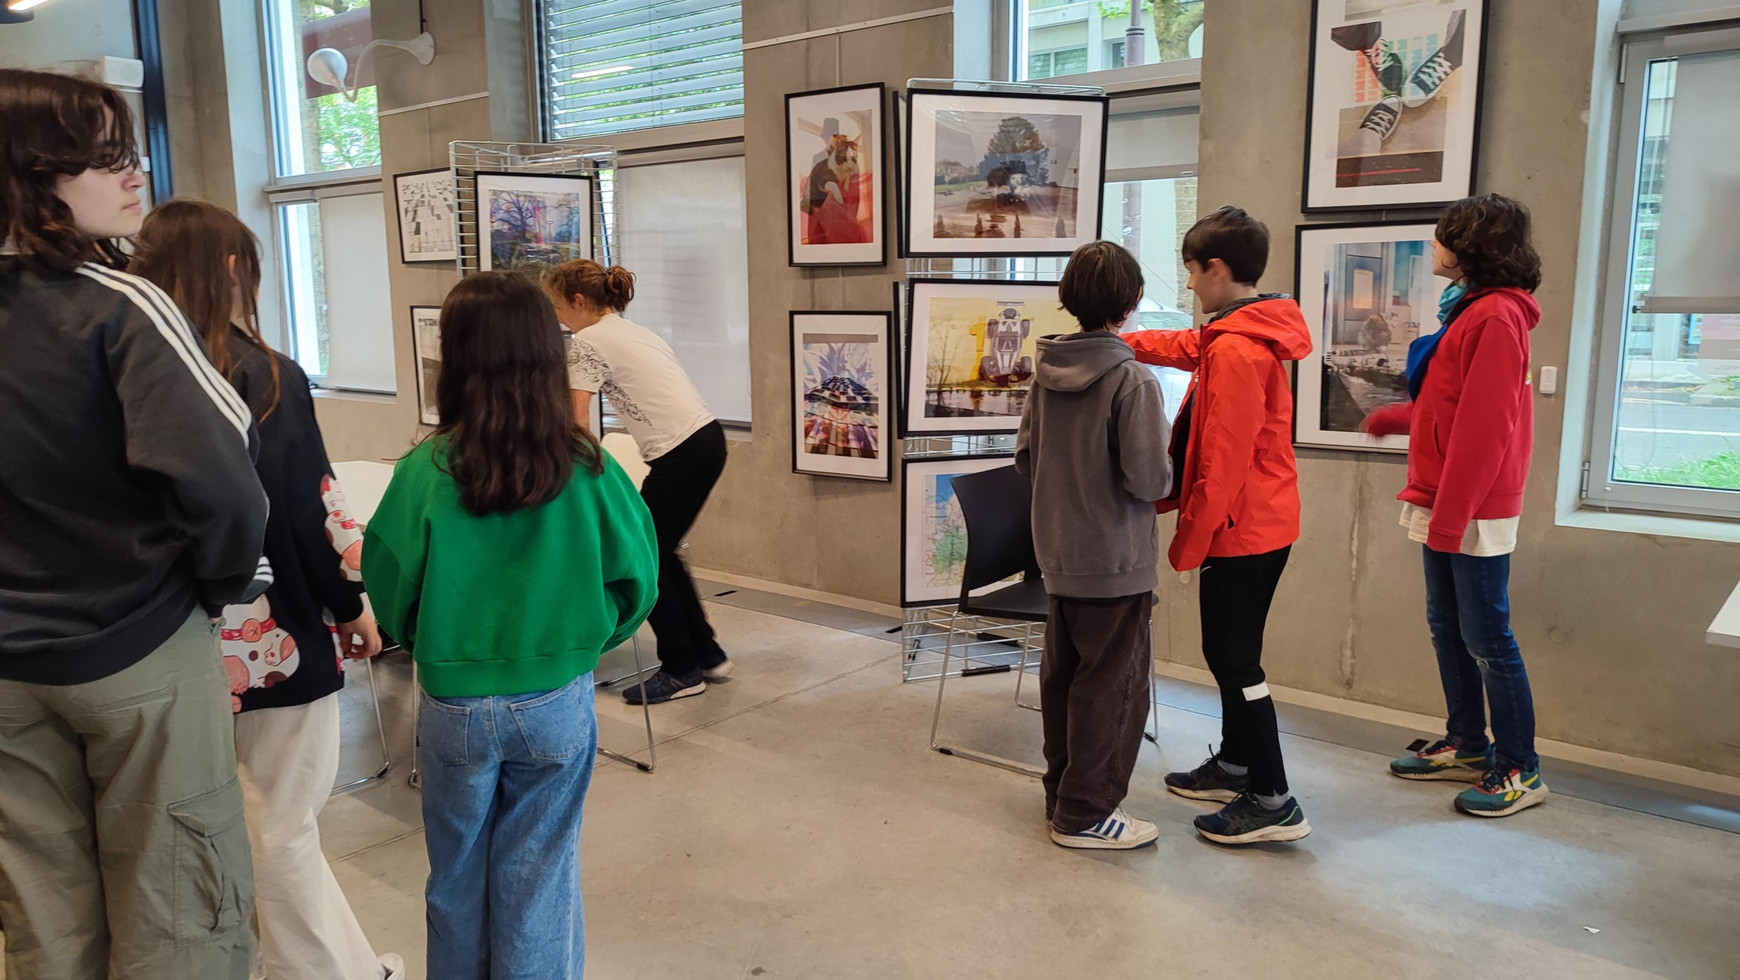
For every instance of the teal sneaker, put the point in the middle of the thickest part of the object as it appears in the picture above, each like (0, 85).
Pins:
(1502, 792)
(1245, 821)
(1441, 760)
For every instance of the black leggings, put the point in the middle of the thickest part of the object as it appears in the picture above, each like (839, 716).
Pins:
(675, 488)
(1235, 594)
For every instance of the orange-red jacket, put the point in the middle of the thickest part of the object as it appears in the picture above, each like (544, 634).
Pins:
(1239, 492)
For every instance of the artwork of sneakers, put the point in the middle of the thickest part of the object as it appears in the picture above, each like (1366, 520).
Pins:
(1503, 791)
(1387, 66)
(1441, 760)
(1429, 78)
(1383, 117)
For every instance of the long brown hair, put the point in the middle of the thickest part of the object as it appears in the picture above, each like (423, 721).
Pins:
(508, 419)
(54, 126)
(185, 247)
(610, 288)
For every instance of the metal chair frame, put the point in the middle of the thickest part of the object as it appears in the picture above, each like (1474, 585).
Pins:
(380, 729)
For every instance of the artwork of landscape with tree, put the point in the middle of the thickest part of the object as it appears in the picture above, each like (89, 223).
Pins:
(535, 222)
(1006, 176)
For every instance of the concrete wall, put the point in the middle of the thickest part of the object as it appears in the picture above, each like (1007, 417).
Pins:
(1611, 624)
(840, 536)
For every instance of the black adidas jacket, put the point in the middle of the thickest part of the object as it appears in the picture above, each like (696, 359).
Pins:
(127, 487)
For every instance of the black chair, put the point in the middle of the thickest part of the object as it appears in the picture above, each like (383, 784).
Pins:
(997, 506)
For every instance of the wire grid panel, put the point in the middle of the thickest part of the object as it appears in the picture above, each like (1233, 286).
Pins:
(591, 159)
(979, 645)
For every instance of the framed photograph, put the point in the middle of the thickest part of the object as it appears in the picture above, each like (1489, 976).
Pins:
(836, 191)
(426, 343)
(971, 347)
(426, 225)
(1368, 292)
(1393, 110)
(1000, 174)
(535, 221)
(933, 534)
(842, 395)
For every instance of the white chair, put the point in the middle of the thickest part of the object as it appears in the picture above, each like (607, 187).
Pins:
(363, 483)
(622, 448)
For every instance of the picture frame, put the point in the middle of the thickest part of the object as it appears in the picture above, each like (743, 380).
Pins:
(1392, 114)
(427, 225)
(836, 177)
(1367, 291)
(843, 394)
(426, 348)
(932, 532)
(533, 222)
(951, 388)
(1002, 156)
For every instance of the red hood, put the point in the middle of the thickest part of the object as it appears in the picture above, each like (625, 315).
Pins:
(1521, 299)
(1276, 322)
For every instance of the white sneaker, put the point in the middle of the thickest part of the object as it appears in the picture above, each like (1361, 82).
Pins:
(720, 671)
(394, 964)
(1118, 832)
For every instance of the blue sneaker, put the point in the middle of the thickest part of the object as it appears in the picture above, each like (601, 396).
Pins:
(1441, 760)
(1503, 791)
(1245, 821)
(1118, 832)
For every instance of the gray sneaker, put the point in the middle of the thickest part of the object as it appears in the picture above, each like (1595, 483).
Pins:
(1208, 782)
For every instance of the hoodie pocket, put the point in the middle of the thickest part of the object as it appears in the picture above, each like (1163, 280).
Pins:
(1427, 462)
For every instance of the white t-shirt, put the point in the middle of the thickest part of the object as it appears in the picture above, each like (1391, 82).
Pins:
(639, 373)
(1483, 539)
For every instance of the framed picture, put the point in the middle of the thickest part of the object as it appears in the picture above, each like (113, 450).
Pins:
(933, 534)
(836, 191)
(842, 396)
(971, 347)
(1001, 174)
(535, 221)
(1393, 110)
(426, 344)
(426, 225)
(1367, 291)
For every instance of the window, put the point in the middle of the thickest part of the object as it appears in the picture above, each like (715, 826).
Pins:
(682, 233)
(316, 129)
(615, 66)
(1069, 37)
(1667, 430)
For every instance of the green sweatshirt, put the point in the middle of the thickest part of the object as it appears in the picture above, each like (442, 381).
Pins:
(508, 603)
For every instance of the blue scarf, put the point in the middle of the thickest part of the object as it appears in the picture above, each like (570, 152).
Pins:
(1421, 350)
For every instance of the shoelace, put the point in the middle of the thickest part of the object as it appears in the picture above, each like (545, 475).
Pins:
(1434, 71)
(1381, 119)
(1495, 779)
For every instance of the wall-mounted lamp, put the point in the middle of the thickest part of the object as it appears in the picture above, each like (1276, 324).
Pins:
(329, 67)
(19, 11)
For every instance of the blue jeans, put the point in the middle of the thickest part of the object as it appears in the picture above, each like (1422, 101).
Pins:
(504, 779)
(1468, 609)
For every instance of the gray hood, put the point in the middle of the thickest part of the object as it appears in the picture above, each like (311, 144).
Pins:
(1073, 362)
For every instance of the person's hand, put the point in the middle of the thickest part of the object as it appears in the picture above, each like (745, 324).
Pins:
(360, 638)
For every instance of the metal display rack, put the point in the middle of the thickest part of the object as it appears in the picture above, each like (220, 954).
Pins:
(588, 159)
(979, 645)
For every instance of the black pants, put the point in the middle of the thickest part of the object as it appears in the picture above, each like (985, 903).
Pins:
(675, 490)
(1235, 596)
(1093, 693)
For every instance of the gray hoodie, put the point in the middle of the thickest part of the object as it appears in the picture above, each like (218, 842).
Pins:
(1093, 440)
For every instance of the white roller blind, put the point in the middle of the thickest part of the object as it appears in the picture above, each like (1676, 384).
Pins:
(1697, 247)
(612, 66)
(359, 315)
(682, 235)
(1143, 141)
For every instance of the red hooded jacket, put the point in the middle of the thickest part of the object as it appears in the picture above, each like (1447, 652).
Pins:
(1472, 431)
(1239, 491)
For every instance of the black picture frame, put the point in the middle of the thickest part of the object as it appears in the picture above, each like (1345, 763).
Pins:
(911, 244)
(908, 349)
(889, 426)
(452, 255)
(1310, 202)
(907, 467)
(594, 226)
(880, 183)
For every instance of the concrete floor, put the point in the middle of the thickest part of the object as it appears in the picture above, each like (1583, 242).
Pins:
(798, 826)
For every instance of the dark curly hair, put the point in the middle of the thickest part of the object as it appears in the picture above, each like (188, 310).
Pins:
(1491, 238)
(54, 126)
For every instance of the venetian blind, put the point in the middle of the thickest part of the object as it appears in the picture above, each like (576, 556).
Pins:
(613, 66)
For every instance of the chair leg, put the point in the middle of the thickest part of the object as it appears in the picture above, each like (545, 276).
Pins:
(380, 729)
(936, 718)
(652, 751)
(1153, 732)
(415, 779)
(1021, 675)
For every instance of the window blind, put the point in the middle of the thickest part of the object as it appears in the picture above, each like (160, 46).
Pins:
(1696, 269)
(614, 66)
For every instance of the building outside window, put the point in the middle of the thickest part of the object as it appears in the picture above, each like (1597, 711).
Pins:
(1091, 32)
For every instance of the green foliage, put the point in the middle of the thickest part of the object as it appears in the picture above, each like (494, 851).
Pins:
(1721, 472)
(1173, 21)
(349, 133)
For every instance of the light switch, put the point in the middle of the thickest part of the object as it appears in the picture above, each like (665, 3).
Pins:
(1549, 381)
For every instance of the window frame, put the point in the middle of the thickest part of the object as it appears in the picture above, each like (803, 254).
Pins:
(1598, 488)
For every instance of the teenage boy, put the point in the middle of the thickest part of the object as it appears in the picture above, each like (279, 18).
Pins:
(1237, 499)
(1093, 440)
